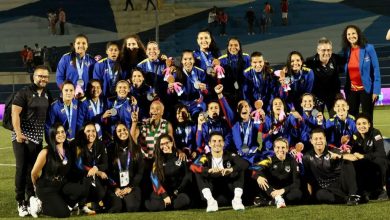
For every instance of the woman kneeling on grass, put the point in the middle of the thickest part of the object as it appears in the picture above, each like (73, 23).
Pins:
(55, 193)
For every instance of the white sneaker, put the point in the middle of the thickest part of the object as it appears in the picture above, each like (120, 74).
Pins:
(22, 209)
(35, 206)
(88, 211)
(237, 204)
(280, 202)
(212, 205)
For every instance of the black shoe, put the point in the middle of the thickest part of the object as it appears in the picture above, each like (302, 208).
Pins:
(353, 200)
(383, 195)
(260, 201)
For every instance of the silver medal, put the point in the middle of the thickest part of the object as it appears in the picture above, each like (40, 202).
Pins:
(114, 112)
(196, 84)
(97, 126)
(236, 85)
(210, 70)
(80, 82)
(64, 162)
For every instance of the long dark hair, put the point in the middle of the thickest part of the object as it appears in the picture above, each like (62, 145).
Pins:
(73, 54)
(132, 147)
(89, 88)
(126, 59)
(288, 63)
(213, 48)
(362, 40)
(179, 71)
(53, 157)
(240, 62)
(81, 139)
(159, 161)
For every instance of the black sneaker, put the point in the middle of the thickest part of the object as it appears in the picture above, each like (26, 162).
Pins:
(261, 201)
(353, 200)
(383, 195)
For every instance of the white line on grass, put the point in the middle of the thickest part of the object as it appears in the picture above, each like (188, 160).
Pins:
(3, 148)
(7, 165)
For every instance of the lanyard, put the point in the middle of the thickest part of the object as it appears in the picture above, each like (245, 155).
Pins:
(193, 76)
(187, 132)
(95, 108)
(204, 59)
(69, 113)
(112, 75)
(156, 68)
(119, 106)
(246, 132)
(128, 162)
(257, 80)
(80, 68)
(296, 81)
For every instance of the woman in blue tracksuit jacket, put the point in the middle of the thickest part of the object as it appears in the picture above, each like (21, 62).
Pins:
(260, 82)
(93, 107)
(205, 55)
(279, 124)
(185, 132)
(121, 107)
(234, 62)
(299, 78)
(76, 66)
(245, 132)
(367, 91)
(141, 92)
(193, 80)
(108, 70)
(65, 111)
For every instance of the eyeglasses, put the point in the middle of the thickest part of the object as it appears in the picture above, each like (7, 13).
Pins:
(162, 144)
(43, 76)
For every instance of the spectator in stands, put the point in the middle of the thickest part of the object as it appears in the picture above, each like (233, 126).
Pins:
(222, 18)
(278, 176)
(132, 53)
(30, 60)
(29, 109)
(268, 10)
(284, 10)
(52, 18)
(23, 55)
(388, 35)
(62, 20)
(326, 67)
(220, 175)
(371, 163)
(37, 55)
(363, 78)
(170, 178)
(212, 19)
(126, 168)
(128, 2)
(250, 18)
(329, 173)
(76, 66)
(45, 57)
(150, 2)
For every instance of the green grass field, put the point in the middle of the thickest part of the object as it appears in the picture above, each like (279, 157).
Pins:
(372, 210)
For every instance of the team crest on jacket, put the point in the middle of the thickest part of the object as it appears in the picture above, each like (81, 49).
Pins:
(178, 163)
(287, 169)
(228, 164)
(275, 166)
